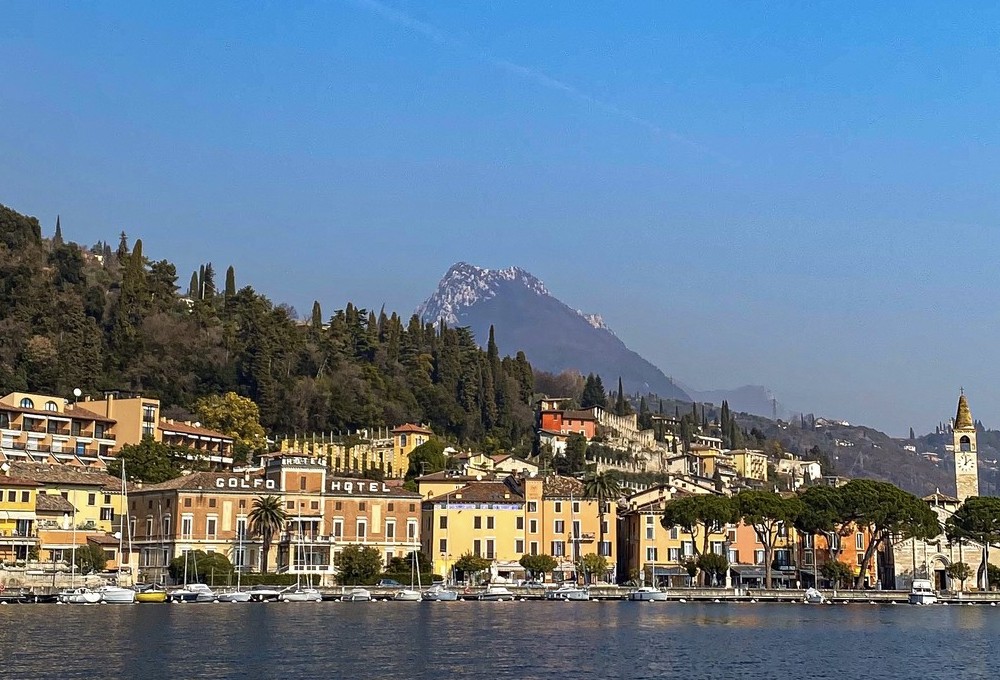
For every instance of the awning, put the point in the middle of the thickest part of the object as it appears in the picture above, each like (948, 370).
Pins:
(670, 571)
(750, 571)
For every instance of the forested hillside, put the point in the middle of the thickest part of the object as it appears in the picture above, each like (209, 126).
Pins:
(104, 319)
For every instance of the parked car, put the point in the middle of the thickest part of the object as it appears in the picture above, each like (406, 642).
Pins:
(388, 583)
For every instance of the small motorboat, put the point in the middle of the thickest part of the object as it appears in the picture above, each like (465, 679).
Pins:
(300, 595)
(439, 593)
(117, 595)
(922, 592)
(813, 596)
(80, 596)
(233, 596)
(647, 594)
(193, 592)
(264, 594)
(568, 591)
(357, 595)
(496, 594)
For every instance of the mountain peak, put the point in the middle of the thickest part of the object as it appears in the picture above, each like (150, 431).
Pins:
(465, 285)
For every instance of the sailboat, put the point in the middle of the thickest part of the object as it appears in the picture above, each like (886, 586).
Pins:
(192, 592)
(117, 594)
(238, 595)
(152, 592)
(77, 595)
(410, 594)
(300, 594)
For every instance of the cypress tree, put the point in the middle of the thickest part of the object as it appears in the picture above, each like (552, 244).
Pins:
(620, 400)
(317, 317)
(201, 283)
(122, 251)
(209, 289)
(912, 434)
(230, 282)
(193, 286)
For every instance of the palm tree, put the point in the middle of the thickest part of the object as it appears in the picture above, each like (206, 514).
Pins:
(602, 487)
(266, 517)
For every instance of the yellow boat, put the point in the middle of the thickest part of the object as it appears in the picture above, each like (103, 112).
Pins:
(151, 596)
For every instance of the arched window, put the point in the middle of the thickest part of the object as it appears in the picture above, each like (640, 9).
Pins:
(402, 440)
(964, 444)
(51, 406)
(27, 403)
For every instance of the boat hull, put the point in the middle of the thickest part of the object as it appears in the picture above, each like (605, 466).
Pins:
(922, 598)
(647, 596)
(236, 596)
(407, 596)
(497, 596)
(357, 596)
(569, 595)
(80, 597)
(441, 596)
(155, 596)
(119, 595)
(301, 596)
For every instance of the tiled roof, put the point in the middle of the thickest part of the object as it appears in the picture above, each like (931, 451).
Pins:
(579, 415)
(45, 473)
(102, 539)
(16, 481)
(86, 414)
(557, 486)
(938, 497)
(207, 480)
(481, 492)
(410, 427)
(50, 502)
(185, 428)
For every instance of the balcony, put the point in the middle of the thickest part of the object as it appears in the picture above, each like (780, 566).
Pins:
(293, 537)
(587, 537)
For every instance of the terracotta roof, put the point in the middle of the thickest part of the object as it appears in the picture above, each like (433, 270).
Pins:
(45, 473)
(939, 497)
(449, 476)
(481, 492)
(557, 486)
(184, 428)
(50, 502)
(17, 481)
(78, 412)
(102, 539)
(410, 427)
(579, 415)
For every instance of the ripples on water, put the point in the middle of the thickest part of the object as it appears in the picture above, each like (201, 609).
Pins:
(489, 640)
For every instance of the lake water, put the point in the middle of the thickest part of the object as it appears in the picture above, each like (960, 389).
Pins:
(488, 640)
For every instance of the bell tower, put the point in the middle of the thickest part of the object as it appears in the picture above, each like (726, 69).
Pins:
(966, 458)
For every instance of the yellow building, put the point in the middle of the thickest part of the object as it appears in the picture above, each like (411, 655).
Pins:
(504, 517)
(649, 552)
(405, 438)
(484, 518)
(750, 464)
(18, 531)
(42, 428)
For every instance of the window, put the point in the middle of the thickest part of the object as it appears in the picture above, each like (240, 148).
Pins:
(241, 528)
(859, 541)
(390, 507)
(520, 524)
(650, 554)
(187, 526)
(576, 528)
(302, 482)
(338, 506)
(362, 528)
(734, 556)
(25, 496)
(390, 531)
(243, 504)
(807, 559)
(11, 496)
(534, 548)
(107, 499)
(559, 526)
(576, 506)
(362, 506)
(489, 549)
(605, 549)
(532, 526)
(187, 502)
(807, 541)
(489, 522)
(758, 557)
(477, 522)
(51, 406)
(673, 554)
(477, 548)
(91, 499)
(519, 546)
(716, 547)
(443, 522)
(558, 506)
(532, 506)
(148, 413)
(314, 505)
(338, 528)
(651, 533)
(443, 545)
(674, 534)
(149, 525)
(81, 449)
(166, 525)
(411, 530)
(782, 530)
(210, 526)
(290, 505)
(239, 557)
(131, 525)
(99, 431)
(27, 403)
(687, 548)
(211, 502)
(558, 548)
(413, 507)
(107, 514)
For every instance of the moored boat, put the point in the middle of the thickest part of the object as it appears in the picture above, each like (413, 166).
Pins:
(439, 593)
(568, 591)
(813, 596)
(647, 594)
(151, 594)
(264, 594)
(300, 595)
(80, 596)
(193, 592)
(233, 596)
(922, 592)
(408, 595)
(496, 594)
(357, 595)
(117, 595)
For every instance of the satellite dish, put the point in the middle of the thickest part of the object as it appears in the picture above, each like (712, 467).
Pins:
(77, 392)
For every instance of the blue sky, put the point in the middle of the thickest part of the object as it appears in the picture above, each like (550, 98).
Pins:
(802, 195)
